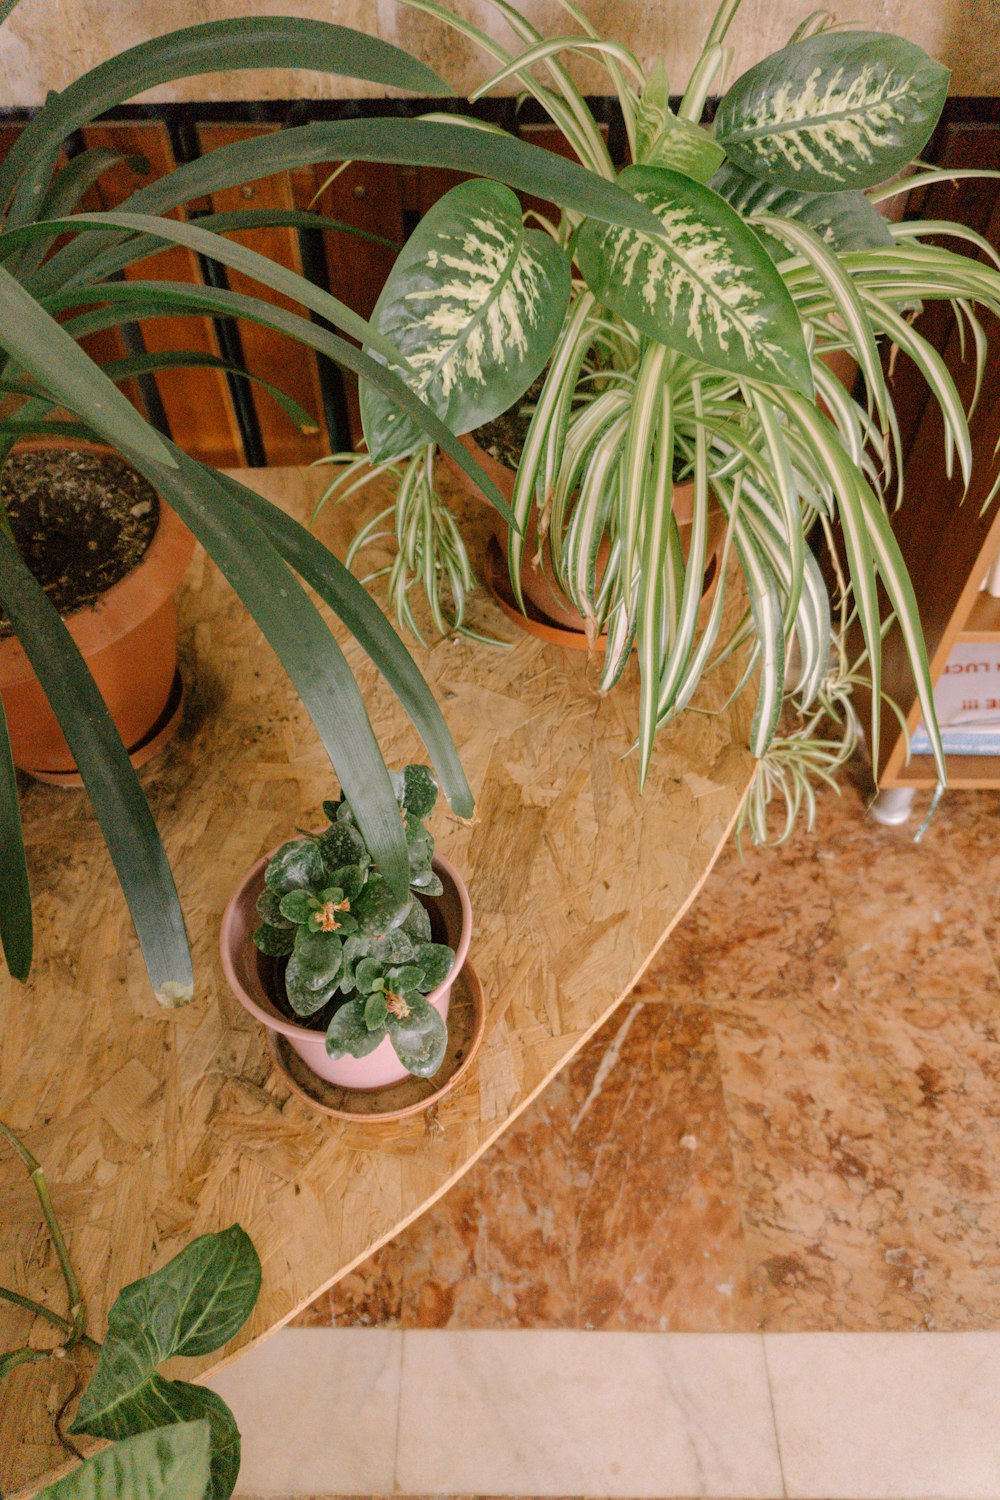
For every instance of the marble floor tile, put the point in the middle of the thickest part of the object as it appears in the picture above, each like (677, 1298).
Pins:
(659, 1242)
(370, 1296)
(558, 1412)
(318, 1410)
(876, 1417)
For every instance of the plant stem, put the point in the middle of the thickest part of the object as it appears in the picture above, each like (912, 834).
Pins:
(76, 1307)
(40, 1311)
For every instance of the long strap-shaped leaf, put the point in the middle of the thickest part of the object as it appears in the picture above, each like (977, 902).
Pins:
(195, 359)
(15, 894)
(38, 343)
(143, 299)
(108, 775)
(245, 42)
(325, 573)
(417, 143)
(303, 644)
(153, 230)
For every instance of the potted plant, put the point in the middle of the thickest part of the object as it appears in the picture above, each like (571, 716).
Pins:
(110, 555)
(317, 946)
(61, 279)
(702, 354)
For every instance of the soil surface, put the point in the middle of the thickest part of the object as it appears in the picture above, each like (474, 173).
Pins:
(503, 438)
(81, 521)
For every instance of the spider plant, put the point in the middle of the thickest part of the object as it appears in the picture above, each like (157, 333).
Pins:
(60, 272)
(703, 354)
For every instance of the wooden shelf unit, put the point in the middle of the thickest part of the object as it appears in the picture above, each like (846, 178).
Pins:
(948, 542)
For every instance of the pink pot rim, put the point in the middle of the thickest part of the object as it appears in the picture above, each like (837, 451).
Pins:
(127, 603)
(272, 1019)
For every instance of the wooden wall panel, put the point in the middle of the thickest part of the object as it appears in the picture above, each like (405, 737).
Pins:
(272, 355)
(197, 402)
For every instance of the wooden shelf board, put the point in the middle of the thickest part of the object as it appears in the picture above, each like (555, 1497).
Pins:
(983, 620)
(968, 772)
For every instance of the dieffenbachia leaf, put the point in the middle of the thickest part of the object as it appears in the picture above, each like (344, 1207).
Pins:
(846, 221)
(170, 1463)
(193, 1305)
(474, 303)
(707, 288)
(835, 111)
(663, 139)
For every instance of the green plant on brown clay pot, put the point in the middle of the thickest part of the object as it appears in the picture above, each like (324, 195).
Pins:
(696, 360)
(61, 279)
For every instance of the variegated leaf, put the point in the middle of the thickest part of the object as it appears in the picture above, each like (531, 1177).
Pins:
(663, 139)
(846, 221)
(707, 289)
(474, 302)
(838, 110)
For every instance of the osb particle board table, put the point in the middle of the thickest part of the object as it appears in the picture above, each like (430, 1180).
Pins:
(155, 1126)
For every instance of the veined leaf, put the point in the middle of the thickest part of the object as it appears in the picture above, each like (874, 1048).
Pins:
(474, 304)
(237, 43)
(664, 139)
(108, 775)
(846, 221)
(169, 1463)
(192, 1305)
(834, 111)
(705, 287)
(15, 895)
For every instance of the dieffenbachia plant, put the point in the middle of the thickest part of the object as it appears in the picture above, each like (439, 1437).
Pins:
(701, 354)
(350, 938)
(61, 279)
(170, 1439)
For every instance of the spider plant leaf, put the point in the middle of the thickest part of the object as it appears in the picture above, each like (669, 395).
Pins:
(706, 287)
(15, 894)
(108, 775)
(237, 43)
(153, 231)
(664, 139)
(765, 604)
(169, 1463)
(308, 651)
(844, 221)
(351, 602)
(837, 110)
(474, 303)
(148, 299)
(42, 347)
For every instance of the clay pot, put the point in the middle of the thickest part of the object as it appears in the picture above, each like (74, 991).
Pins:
(253, 977)
(128, 639)
(537, 584)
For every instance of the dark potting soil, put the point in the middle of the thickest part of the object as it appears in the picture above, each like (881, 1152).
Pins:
(81, 521)
(503, 438)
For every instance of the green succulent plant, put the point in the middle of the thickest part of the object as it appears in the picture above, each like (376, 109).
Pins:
(699, 354)
(352, 942)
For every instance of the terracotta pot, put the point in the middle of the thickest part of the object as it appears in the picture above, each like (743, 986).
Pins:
(128, 639)
(253, 979)
(537, 582)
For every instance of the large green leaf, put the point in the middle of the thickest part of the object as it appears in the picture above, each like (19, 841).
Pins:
(169, 1463)
(338, 587)
(38, 343)
(15, 895)
(107, 772)
(474, 303)
(238, 43)
(705, 287)
(192, 1305)
(846, 221)
(837, 110)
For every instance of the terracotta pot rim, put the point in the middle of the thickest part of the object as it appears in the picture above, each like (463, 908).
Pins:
(272, 1017)
(124, 605)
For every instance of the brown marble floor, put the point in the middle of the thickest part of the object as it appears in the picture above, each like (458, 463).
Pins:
(793, 1124)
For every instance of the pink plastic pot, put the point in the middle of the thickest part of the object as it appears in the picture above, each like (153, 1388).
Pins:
(252, 979)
